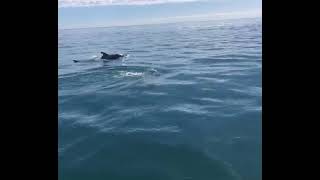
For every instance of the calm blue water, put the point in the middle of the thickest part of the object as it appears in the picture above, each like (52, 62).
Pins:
(185, 104)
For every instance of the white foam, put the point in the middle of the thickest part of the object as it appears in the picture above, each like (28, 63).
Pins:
(131, 74)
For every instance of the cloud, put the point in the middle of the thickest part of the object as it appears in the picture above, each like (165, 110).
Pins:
(87, 3)
(205, 17)
(215, 16)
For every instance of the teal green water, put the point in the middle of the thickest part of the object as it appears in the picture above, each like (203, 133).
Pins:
(185, 104)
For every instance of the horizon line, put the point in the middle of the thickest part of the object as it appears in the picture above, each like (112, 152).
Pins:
(158, 23)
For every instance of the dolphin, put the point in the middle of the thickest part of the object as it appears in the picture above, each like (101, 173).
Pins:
(111, 56)
(104, 56)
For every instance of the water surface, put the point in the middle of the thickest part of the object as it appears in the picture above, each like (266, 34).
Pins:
(185, 104)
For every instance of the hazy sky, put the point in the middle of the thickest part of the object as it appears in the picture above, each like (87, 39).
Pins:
(92, 13)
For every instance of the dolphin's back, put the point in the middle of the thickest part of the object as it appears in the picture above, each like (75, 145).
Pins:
(110, 56)
(114, 56)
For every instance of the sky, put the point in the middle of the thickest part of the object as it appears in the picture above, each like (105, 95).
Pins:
(104, 13)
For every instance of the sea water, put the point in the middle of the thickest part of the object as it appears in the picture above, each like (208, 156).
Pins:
(185, 103)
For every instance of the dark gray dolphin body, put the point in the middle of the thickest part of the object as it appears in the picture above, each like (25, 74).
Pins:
(111, 56)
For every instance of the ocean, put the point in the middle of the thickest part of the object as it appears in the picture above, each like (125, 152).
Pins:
(185, 104)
